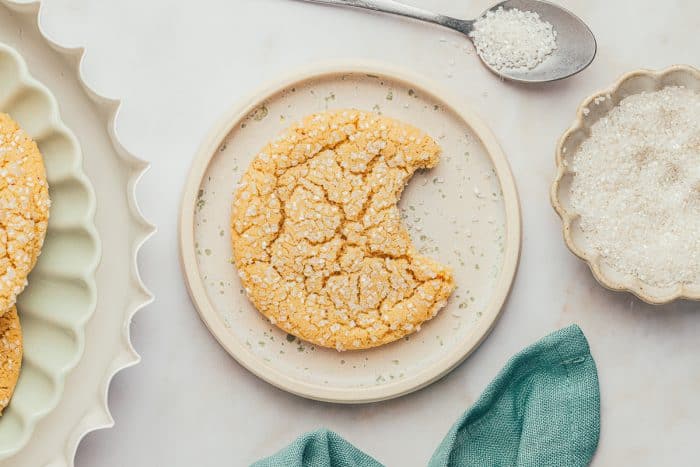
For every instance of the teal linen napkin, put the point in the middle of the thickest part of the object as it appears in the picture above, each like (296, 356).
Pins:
(543, 409)
(321, 448)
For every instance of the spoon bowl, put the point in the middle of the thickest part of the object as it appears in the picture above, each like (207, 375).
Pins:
(576, 45)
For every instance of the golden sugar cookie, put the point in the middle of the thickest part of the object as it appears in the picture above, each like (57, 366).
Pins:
(317, 236)
(24, 209)
(10, 355)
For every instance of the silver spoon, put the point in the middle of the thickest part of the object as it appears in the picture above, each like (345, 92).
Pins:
(576, 45)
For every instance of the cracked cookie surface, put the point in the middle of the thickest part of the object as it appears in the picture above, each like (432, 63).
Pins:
(24, 209)
(10, 355)
(317, 236)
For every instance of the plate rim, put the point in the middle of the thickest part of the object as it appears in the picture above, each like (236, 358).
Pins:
(237, 350)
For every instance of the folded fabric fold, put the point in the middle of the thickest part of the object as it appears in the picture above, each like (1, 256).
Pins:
(321, 448)
(543, 409)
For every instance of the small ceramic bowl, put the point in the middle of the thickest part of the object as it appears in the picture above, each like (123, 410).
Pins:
(589, 112)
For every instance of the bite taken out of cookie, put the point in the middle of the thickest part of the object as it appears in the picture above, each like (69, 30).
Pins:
(317, 235)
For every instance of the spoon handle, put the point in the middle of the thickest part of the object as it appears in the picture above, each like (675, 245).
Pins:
(396, 8)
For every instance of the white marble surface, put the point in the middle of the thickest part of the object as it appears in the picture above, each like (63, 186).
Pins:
(178, 65)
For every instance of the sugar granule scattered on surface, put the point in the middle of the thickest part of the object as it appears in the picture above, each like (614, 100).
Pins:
(513, 39)
(637, 187)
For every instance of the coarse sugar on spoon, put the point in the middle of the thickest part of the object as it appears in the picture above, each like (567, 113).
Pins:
(513, 39)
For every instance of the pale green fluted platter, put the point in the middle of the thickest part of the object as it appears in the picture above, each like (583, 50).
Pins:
(61, 295)
(85, 289)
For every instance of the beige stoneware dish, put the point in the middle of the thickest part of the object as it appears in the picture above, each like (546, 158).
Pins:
(589, 112)
(464, 213)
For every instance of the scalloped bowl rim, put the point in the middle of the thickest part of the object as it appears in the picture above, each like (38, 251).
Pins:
(635, 286)
(87, 225)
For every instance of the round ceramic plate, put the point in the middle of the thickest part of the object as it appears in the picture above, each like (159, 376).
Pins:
(464, 213)
(61, 295)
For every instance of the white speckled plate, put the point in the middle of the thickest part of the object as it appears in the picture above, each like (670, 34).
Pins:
(61, 294)
(71, 353)
(465, 213)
